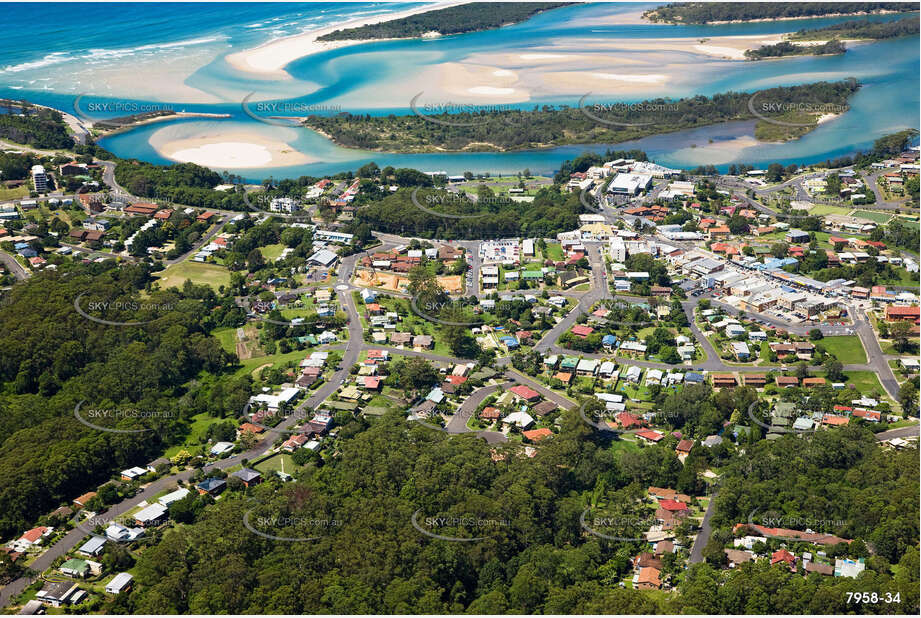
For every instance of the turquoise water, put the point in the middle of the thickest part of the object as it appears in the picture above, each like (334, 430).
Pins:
(52, 63)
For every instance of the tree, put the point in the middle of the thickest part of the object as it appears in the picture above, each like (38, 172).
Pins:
(255, 261)
(908, 397)
(815, 334)
(900, 333)
(834, 369)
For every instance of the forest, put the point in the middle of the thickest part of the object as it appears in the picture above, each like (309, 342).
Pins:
(861, 29)
(470, 17)
(39, 127)
(183, 183)
(489, 217)
(367, 556)
(53, 358)
(710, 12)
(548, 126)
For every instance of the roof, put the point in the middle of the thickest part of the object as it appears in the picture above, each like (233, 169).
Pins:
(673, 505)
(525, 392)
(685, 446)
(536, 435)
(34, 534)
(247, 474)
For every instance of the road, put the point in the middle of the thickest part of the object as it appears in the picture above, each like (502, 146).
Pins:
(13, 266)
(703, 536)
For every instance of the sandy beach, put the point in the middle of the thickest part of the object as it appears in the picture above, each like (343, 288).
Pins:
(233, 150)
(270, 58)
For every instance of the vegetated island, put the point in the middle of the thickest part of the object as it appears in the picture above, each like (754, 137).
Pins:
(472, 17)
(723, 12)
(786, 48)
(828, 38)
(549, 126)
(860, 29)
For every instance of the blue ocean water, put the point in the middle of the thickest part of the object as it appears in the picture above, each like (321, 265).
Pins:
(50, 61)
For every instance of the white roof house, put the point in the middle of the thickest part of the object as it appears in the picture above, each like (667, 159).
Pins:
(522, 419)
(175, 496)
(119, 583)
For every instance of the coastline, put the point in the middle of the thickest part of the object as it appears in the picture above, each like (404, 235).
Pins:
(269, 59)
(764, 19)
(232, 150)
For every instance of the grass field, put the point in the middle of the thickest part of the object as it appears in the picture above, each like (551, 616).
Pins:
(271, 252)
(228, 337)
(878, 217)
(200, 424)
(554, 251)
(867, 382)
(14, 194)
(199, 273)
(251, 364)
(828, 209)
(279, 461)
(846, 349)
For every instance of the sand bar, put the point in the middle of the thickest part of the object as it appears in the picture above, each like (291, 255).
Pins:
(270, 58)
(235, 150)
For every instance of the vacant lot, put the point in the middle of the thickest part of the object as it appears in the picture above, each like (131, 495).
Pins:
(846, 349)
(198, 272)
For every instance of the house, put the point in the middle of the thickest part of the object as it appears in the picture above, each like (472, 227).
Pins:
(121, 534)
(536, 435)
(757, 380)
(174, 497)
(900, 313)
(782, 556)
(75, 567)
(816, 567)
(249, 476)
(711, 441)
(582, 331)
(93, 547)
(524, 392)
(31, 538)
(647, 578)
(650, 436)
(849, 568)
(684, 449)
(810, 382)
(60, 593)
(133, 473)
(544, 408)
(220, 448)
(521, 419)
(151, 515)
(212, 486)
(723, 380)
(82, 500)
(119, 583)
(490, 413)
(787, 381)
(570, 278)
(423, 341)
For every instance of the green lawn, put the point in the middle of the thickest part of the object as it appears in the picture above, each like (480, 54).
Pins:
(199, 272)
(876, 216)
(279, 461)
(867, 382)
(227, 335)
(252, 364)
(271, 252)
(828, 209)
(554, 251)
(14, 194)
(846, 349)
(197, 429)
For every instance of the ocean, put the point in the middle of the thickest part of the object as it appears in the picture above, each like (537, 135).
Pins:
(172, 55)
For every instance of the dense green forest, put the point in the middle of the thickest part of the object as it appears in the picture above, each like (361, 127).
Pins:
(39, 127)
(786, 48)
(183, 183)
(861, 29)
(54, 358)
(549, 125)
(471, 17)
(367, 556)
(709, 12)
(489, 217)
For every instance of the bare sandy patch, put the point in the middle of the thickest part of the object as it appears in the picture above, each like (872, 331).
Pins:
(231, 151)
